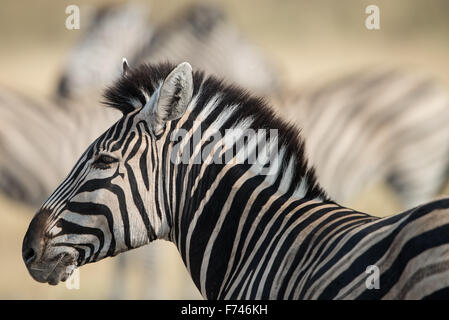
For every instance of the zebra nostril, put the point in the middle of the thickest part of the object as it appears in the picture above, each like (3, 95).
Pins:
(29, 255)
(33, 241)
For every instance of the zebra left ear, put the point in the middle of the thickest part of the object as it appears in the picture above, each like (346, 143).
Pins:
(172, 98)
(175, 93)
(125, 66)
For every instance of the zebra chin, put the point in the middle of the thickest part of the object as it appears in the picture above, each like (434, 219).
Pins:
(55, 270)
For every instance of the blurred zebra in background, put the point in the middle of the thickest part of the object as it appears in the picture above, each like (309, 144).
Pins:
(112, 32)
(204, 35)
(39, 139)
(376, 124)
(201, 33)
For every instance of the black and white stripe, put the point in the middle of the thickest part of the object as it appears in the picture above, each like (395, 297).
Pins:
(241, 234)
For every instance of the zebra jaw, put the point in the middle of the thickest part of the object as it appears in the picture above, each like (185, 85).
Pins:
(53, 273)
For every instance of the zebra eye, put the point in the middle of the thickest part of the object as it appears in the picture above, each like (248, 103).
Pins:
(104, 161)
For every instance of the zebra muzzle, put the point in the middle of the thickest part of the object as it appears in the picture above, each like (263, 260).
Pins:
(45, 263)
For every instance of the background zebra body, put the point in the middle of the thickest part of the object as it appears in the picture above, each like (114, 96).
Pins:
(204, 35)
(376, 124)
(39, 139)
(200, 33)
(242, 234)
(112, 32)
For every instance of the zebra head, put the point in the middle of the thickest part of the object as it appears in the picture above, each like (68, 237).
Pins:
(105, 205)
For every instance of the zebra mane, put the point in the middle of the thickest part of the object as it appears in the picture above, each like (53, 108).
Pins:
(133, 89)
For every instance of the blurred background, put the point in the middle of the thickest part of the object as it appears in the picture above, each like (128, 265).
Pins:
(304, 39)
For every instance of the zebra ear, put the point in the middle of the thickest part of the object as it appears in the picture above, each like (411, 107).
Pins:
(175, 93)
(125, 66)
(171, 99)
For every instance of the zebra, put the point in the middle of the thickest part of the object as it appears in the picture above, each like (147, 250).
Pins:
(201, 33)
(245, 230)
(383, 123)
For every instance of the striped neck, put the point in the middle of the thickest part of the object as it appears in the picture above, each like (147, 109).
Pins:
(214, 202)
(229, 220)
(227, 162)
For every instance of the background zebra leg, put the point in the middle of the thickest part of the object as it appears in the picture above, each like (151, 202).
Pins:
(119, 288)
(161, 279)
(152, 272)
